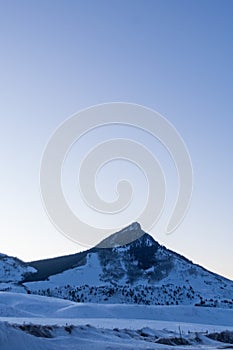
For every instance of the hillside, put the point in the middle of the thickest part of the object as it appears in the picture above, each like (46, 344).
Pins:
(141, 272)
(12, 272)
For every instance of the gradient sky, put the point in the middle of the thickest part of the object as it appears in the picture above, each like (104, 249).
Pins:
(174, 56)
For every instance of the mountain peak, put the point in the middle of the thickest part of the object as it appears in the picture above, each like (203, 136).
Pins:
(132, 227)
(133, 269)
(125, 236)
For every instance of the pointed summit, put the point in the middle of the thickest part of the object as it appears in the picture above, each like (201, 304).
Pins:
(123, 237)
(135, 269)
(134, 226)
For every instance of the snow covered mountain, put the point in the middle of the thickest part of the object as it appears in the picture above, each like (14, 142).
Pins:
(12, 272)
(141, 272)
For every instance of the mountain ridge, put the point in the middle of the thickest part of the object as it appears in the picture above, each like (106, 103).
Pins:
(51, 266)
(129, 266)
(133, 270)
(70, 260)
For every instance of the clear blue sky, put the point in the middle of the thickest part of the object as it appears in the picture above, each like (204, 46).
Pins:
(174, 56)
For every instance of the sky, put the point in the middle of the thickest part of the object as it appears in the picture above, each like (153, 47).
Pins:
(173, 56)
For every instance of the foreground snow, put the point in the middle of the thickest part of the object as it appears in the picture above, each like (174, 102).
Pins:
(36, 337)
(63, 324)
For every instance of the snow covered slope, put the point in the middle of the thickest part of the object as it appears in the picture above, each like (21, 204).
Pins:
(36, 322)
(86, 337)
(12, 272)
(141, 272)
(17, 306)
